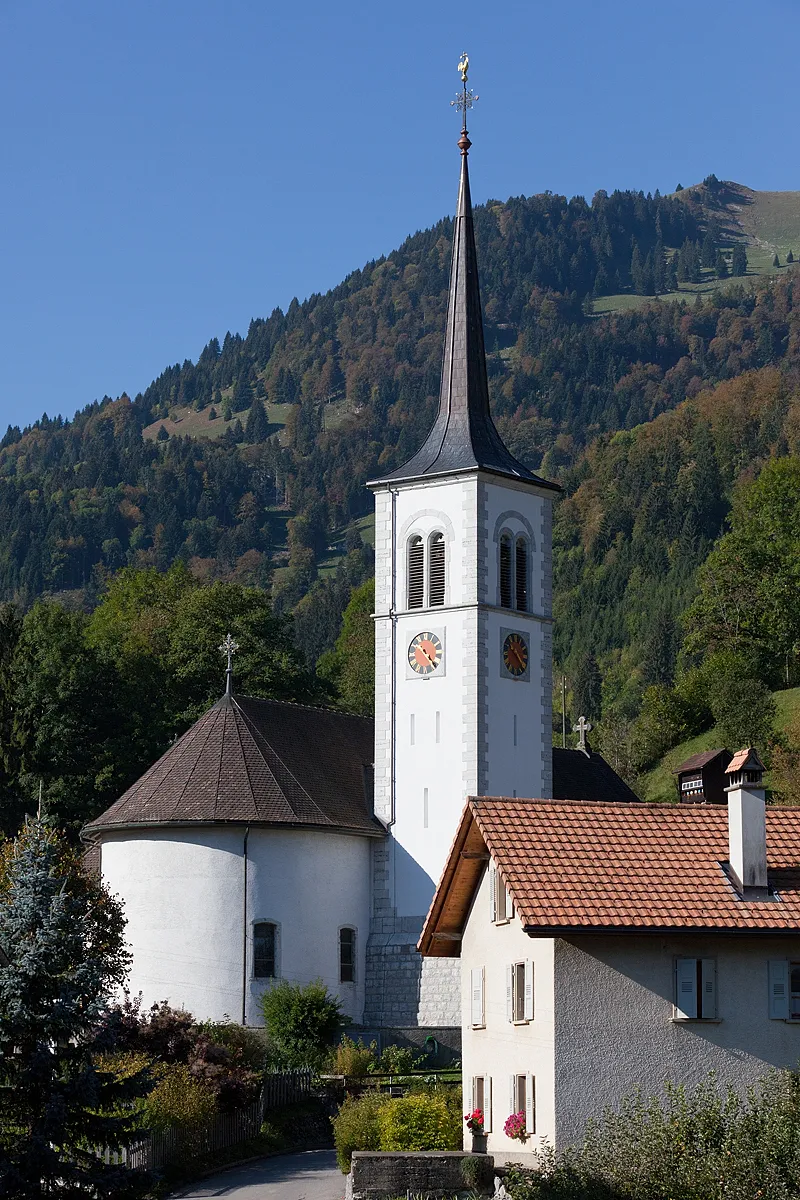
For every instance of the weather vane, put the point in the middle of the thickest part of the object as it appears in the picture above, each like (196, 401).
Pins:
(229, 648)
(466, 97)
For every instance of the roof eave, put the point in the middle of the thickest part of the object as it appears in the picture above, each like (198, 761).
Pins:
(533, 482)
(95, 829)
(560, 930)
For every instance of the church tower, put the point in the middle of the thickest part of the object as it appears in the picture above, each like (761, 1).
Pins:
(462, 646)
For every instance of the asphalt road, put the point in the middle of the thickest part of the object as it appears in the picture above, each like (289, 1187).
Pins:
(312, 1175)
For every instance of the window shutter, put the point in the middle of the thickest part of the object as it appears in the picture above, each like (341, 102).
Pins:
(436, 569)
(416, 567)
(530, 1104)
(501, 898)
(476, 982)
(505, 571)
(487, 1103)
(708, 1003)
(509, 905)
(509, 993)
(521, 575)
(686, 987)
(492, 891)
(512, 1094)
(528, 1010)
(779, 989)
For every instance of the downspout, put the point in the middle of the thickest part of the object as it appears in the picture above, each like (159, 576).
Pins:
(393, 706)
(244, 928)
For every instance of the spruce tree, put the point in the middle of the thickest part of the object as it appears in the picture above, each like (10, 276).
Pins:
(790, 257)
(776, 262)
(708, 252)
(257, 426)
(721, 265)
(587, 688)
(62, 955)
(739, 261)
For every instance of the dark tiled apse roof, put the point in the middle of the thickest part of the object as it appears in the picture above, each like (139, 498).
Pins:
(258, 761)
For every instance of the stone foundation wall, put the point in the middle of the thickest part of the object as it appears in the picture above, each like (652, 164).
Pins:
(404, 989)
(374, 1176)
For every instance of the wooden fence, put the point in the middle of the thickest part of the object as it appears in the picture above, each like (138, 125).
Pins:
(161, 1147)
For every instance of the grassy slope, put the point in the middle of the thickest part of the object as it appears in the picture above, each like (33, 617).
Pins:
(659, 784)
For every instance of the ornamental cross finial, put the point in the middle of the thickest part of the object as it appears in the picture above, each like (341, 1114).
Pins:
(229, 648)
(466, 97)
(582, 728)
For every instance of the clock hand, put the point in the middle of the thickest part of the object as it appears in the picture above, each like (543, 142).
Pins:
(427, 655)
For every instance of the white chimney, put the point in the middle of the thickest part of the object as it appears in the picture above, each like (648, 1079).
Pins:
(747, 821)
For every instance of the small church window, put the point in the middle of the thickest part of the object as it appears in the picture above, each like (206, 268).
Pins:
(416, 571)
(521, 574)
(347, 955)
(264, 950)
(505, 571)
(436, 570)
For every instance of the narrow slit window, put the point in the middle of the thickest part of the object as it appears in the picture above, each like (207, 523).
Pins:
(438, 727)
(521, 575)
(436, 570)
(412, 730)
(505, 571)
(347, 955)
(416, 572)
(424, 808)
(264, 950)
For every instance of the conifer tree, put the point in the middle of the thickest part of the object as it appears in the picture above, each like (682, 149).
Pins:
(587, 687)
(739, 261)
(776, 262)
(790, 257)
(708, 252)
(721, 265)
(62, 955)
(257, 426)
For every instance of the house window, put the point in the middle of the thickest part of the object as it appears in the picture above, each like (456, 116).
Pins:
(264, 947)
(521, 574)
(519, 992)
(416, 571)
(522, 1099)
(696, 989)
(784, 990)
(482, 1099)
(347, 955)
(501, 902)
(505, 571)
(436, 570)
(477, 1005)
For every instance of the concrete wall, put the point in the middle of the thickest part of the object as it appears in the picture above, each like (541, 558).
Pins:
(375, 1175)
(503, 1049)
(184, 902)
(614, 1026)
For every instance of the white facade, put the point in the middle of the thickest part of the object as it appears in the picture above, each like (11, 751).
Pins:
(606, 1021)
(468, 727)
(191, 917)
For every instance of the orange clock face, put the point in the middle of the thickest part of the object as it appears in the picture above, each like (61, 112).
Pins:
(425, 653)
(515, 654)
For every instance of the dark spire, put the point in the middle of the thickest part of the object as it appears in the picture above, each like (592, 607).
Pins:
(464, 437)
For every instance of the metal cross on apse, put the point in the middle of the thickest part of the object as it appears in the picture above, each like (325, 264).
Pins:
(466, 97)
(582, 728)
(229, 648)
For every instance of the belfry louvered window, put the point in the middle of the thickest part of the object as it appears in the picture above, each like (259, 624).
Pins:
(521, 574)
(505, 571)
(436, 569)
(416, 572)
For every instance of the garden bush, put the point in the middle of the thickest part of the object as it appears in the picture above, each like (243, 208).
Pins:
(356, 1127)
(399, 1060)
(354, 1058)
(178, 1099)
(424, 1121)
(710, 1145)
(302, 1024)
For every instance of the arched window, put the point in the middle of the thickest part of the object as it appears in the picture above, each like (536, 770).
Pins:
(506, 570)
(436, 570)
(416, 571)
(347, 955)
(521, 574)
(265, 947)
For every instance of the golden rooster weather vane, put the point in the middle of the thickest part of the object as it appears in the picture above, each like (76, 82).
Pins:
(466, 97)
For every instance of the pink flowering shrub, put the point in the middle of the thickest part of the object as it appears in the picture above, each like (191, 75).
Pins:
(515, 1127)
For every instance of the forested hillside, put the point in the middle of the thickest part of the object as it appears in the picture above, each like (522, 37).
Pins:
(248, 466)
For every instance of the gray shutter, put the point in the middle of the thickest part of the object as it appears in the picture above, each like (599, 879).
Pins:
(686, 987)
(528, 999)
(512, 1094)
(509, 905)
(487, 1103)
(530, 1104)
(476, 985)
(779, 989)
(708, 1002)
(492, 891)
(509, 993)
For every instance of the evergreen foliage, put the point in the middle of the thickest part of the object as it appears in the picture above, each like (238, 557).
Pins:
(302, 1023)
(63, 955)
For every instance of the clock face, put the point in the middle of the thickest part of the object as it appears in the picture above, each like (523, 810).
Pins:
(425, 653)
(515, 654)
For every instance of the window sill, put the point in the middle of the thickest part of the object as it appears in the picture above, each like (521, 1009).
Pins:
(503, 921)
(477, 1026)
(696, 1020)
(523, 1021)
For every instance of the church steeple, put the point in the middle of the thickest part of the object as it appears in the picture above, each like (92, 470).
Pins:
(464, 437)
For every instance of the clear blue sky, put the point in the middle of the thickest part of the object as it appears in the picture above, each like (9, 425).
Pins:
(172, 168)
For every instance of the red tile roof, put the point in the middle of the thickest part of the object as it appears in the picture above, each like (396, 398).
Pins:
(591, 866)
(741, 758)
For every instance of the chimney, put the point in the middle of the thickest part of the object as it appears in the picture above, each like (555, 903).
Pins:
(747, 823)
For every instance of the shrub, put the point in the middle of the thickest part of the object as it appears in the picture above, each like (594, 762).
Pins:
(220, 1069)
(419, 1122)
(398, 1060)
(247, 1045)
(356, 1127)
(178, 1099)
(354, 1058)
(302, 1023)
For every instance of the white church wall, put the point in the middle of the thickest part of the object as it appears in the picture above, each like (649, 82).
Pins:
(184, 903)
